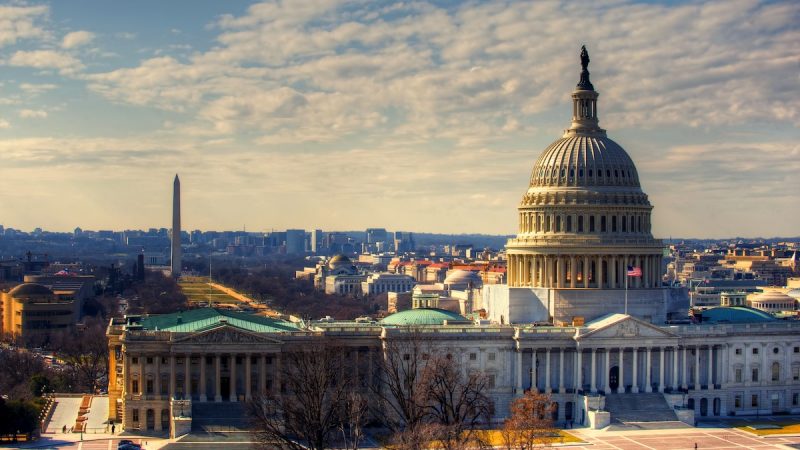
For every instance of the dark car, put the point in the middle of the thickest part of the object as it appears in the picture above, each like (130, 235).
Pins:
(127, 444)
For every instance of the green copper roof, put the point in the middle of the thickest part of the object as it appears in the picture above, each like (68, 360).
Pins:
(735, 314)
(422, 316)
(200, 319)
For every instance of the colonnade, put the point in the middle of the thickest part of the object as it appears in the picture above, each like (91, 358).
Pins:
(144, 375)
(620, 369)
(582, 271)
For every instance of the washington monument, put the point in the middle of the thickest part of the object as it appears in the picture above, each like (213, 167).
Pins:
(176, 227)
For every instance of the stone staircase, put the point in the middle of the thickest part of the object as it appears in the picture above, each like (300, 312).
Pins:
(628, 408)
(222, 417)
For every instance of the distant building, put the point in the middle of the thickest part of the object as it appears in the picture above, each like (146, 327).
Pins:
(295, 242)
(316, 241)
(379, 283)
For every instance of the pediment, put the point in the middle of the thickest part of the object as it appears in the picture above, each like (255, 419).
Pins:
(226, 334)
(621, 326)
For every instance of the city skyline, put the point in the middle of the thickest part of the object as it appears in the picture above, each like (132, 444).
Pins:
(420, 118)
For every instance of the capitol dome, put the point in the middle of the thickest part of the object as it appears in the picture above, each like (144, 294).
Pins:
(584, 218)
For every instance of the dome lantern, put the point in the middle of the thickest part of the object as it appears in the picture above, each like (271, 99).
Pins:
(584, 104)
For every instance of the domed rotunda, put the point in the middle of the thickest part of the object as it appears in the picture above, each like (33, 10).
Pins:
(583, 221)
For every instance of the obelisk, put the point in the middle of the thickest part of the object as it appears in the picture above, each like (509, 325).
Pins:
(176, 227)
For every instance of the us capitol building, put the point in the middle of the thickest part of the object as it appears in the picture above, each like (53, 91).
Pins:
(565, 324)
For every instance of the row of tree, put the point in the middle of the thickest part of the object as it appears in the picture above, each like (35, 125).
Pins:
(419, 396)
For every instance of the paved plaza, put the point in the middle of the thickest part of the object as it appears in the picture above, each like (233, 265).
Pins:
(676, 439)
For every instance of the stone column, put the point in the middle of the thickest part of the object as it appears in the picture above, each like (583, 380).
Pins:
(142, 377)
(594, 371)
(547, 372)
(510, 270)
(675, 368)
(518, 389)
(187, 376)
(535, 271)
(612, 278)
(579, 370)
(561, 272)
(621, 387)
(697, 384)
(157, 377)
(586, 270)
(278, 382)
(606, 371)
(600, 274)
(232, 366)
(218, 378)
(685, 372)
(645, 275)
(635, 384)
(661, 369)
(172, 376)
(561, 388)
(534, 372)
(711, 367)
(550, 267)
(573, 272)
(248, 381)
(126, 374)
(262, 374)
(203, 389)
(648, 369)
(637, 281)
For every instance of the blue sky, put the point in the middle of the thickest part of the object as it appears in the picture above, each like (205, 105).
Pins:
(415, 116)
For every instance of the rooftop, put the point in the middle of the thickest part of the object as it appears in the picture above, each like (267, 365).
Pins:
(201, 319)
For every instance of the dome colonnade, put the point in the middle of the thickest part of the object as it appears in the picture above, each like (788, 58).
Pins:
(584, 218)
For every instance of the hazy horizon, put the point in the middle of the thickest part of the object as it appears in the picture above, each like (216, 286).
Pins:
(423, 116)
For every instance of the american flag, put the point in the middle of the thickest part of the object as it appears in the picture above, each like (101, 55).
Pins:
(634, 271)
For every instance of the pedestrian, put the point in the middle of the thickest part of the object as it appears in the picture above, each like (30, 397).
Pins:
(695, 446)
(112, 428)
(64, 429)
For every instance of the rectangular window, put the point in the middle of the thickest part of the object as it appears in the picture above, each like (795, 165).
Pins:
(738, 351)
(795, 399)
(755, 350)
(755, 375)
(473, 356)
(737, 402)
(149, 386)
(491, 379)
(135, 415)
(738, 375)
(164, 360)
(134, 360)
(491, 356)
(796, 373)
(149, 360)
(797, 349)
(754, 401)
(135, 386)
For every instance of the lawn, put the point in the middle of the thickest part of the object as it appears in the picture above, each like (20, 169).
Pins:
(777, 426)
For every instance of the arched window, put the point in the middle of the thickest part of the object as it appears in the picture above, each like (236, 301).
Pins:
(624, 224)
(558, 224)
(776, 371)
(538, 223)
(546, 223)
(580, 224)
(602, 224)
(569, 224)
(639, 227)
(614, 224)
(591, 224)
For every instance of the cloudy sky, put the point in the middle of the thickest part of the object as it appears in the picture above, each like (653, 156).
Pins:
(422, 116)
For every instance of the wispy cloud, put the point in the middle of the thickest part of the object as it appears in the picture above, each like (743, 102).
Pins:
(46, 59)
(76, 39)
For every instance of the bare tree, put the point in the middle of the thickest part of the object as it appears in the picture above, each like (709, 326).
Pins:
(85, 353)
(318, 400)
(530, 425)
(457, 403)
(402, 394)
(426, 396)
